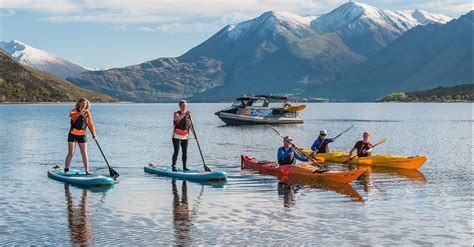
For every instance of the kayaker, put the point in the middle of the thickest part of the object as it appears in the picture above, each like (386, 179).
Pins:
(320, 145)
(286, 155)
(363, 147)
(80, 119)
(182, 125)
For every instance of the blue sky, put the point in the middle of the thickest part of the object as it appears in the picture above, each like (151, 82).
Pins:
(113, 33)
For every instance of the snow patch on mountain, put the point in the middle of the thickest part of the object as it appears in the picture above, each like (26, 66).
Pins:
(357, 17)
(39, 59)
(276, 21)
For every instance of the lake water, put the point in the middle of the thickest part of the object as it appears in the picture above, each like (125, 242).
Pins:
(432, 206)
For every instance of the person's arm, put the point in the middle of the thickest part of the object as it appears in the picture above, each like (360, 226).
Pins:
(74, 115)
(353, 149)
(91, 125)
(299, 157)
(330, 140)
(315, 144)
(280, 154)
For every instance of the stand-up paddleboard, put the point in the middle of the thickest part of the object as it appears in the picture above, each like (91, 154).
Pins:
(76, 177)
(187, 175)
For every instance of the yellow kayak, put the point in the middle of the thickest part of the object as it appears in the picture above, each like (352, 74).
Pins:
(295, 108)
(381, 160)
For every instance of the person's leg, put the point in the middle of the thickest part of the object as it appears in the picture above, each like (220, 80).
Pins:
(175, 153)
(184, 147)
(70, 153)
(85, 158)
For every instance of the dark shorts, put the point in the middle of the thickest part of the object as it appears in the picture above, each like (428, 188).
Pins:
(75, 138)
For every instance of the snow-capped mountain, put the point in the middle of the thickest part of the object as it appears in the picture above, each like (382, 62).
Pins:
(367, 29)
(276, 52)
(40, 59)
(273, 21)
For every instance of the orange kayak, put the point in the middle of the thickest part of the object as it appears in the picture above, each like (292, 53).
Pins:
(381, 160)
(301, 170)
(295, 108)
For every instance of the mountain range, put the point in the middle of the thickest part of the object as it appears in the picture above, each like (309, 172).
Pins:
(39, 59)
(19, 83)
(357, 52)
(277, 52)
(423, 58)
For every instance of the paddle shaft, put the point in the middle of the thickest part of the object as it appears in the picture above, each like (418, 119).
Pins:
(297, 148)
(206, 168)
(357, 155)
(112, 172)
(343, 132)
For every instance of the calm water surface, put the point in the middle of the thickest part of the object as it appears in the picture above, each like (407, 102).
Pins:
(429, 207)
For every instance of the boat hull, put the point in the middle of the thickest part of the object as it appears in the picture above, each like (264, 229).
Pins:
(234, 119)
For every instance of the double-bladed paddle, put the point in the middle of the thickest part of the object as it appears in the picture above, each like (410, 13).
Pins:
(357, 155)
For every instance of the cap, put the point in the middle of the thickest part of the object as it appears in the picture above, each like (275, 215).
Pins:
(323, 132)
(288, 138)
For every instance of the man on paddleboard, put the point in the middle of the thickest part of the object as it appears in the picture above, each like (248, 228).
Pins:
(363, 147)
(286, 155)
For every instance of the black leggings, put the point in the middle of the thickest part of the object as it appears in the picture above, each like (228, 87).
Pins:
(184, 147)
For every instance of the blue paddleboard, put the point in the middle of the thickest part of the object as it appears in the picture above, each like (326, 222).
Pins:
(189, 175)
(79, 177)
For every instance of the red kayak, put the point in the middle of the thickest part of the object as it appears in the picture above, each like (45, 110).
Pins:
(301, 170)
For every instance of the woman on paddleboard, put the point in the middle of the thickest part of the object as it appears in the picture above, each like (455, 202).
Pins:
(80, 119)
(182, 125)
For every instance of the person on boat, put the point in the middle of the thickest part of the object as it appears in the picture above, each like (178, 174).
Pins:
(80, 119)
(321, 145)
(286, 155)
(363, 147)
(182, 125)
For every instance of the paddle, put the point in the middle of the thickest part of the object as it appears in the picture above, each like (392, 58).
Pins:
(357, 155)
(343, 132)
(206, 168)
(298, 149)
(112, 172)
(317, 150)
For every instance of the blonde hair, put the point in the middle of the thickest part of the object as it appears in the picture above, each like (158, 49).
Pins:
(88, 107)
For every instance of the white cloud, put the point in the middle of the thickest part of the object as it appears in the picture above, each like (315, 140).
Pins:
(162, 11)
(8, 12)
(64, 6)
(184, 15)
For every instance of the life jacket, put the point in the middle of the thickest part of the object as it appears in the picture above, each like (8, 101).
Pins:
(362, 147)
(181, 128)
(288, 160)
(80, 123)
(323, 146)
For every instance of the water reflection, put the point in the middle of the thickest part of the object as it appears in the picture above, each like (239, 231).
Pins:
(288, 186)
(367, 180)
(80, 225)
(181, 219)
(287, 191)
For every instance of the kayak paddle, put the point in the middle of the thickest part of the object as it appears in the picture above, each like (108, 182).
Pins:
(297, 148)
(357, 155)
(343, 132)
(206, 168)
(112, 172)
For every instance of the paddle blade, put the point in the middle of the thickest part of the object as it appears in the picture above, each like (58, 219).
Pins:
(113, 174)
(206, 168)
(380, 142)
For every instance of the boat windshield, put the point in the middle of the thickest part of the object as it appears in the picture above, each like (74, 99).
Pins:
(260, 102)
(240, 103)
